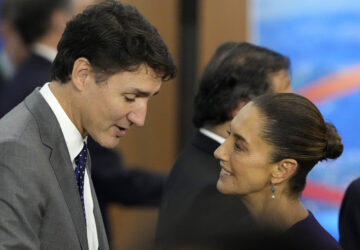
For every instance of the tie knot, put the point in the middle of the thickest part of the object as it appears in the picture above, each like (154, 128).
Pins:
(80, 159)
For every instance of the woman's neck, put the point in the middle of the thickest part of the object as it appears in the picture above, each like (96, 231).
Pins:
(282, 212)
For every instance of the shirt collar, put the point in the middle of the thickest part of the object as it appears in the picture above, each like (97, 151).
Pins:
(45, 51)
(212, 135)
(72, 136)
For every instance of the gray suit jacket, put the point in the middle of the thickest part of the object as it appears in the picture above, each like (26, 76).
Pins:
(40, 206)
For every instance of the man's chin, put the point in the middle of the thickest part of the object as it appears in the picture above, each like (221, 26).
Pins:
(109, 142)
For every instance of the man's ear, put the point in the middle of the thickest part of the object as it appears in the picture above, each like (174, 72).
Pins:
(283, 170)
(81, 71)
(240, 105)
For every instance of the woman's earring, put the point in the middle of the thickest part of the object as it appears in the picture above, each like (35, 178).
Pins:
(272, 191)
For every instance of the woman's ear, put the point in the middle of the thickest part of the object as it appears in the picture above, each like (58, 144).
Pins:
(283, 170)
(81, 71)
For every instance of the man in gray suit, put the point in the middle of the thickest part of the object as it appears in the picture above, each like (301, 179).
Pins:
(110, 61)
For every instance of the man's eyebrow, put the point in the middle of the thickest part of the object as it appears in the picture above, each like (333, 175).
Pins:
(142, 93)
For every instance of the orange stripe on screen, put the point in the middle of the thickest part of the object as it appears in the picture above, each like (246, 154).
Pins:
(333, 86)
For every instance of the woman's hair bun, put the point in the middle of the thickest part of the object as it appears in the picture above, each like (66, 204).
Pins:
(334, 146)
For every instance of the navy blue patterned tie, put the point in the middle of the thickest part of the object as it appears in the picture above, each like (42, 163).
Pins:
(80, 162)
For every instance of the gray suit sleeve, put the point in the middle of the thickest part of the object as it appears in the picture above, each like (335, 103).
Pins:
(20, 200)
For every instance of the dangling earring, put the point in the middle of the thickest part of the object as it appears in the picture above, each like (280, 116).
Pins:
(272, 191)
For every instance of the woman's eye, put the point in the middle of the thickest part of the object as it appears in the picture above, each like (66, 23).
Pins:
(237, 147)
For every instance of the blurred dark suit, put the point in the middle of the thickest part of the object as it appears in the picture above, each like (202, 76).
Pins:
(34, 72)
(2, 83)
(349, 221)
(112, 182)
(115, 183)
(192, 211)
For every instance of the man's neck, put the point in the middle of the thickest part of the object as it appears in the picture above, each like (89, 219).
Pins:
(44, 51)
(220, 129)
(62, 93)
(50, 41)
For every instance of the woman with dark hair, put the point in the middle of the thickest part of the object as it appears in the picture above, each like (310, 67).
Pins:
(273, 143)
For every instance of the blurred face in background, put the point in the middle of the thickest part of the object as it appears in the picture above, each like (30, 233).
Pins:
(14, 48)
(16, 51)
(281, 82)
(80, 5)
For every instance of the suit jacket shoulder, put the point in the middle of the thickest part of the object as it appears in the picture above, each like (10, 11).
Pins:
(39, 203)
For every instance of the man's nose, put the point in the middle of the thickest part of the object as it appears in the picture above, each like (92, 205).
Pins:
(138, 115)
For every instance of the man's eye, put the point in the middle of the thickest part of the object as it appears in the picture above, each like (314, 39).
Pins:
(129, 99)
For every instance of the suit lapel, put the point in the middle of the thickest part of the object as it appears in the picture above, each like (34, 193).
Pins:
(52, 136)
(64, 172)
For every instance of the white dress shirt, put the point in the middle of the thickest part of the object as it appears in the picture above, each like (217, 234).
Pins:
(212, 135)
(74, 143)
(45, 51)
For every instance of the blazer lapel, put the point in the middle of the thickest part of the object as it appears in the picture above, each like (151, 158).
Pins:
(64, 172)
(52, 136)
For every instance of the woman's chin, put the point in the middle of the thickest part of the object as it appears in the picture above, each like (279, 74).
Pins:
(222, 187)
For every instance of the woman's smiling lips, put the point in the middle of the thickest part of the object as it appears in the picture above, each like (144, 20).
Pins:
(224, 172)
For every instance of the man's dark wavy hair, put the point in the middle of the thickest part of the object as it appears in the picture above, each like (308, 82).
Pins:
(238, 71)
(114, 38)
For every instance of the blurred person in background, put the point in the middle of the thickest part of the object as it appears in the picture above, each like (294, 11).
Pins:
(192, 211)
(40, 24)
(273, 143)
(13, 51)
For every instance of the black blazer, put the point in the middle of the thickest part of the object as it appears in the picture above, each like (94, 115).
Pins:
(192, 211)
(349, 220)
(115, 182)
